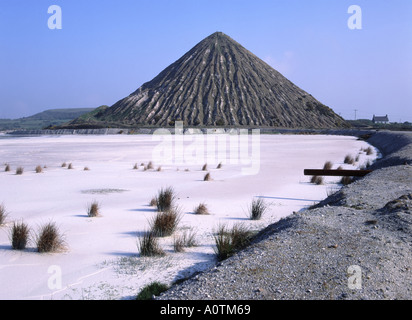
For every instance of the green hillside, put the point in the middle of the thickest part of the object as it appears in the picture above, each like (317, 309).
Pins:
(43, 119)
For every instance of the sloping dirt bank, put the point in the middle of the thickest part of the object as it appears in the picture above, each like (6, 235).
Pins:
(356, 244)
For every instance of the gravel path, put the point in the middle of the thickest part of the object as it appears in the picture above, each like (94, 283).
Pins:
(357, 244)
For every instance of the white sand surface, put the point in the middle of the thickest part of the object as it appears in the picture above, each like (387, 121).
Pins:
(101, 259)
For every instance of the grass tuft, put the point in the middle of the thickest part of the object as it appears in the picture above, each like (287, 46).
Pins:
(19, 235)
(317, 180)
(257, 209)
(3, 214)
(165, 199)
(229, 241)
(165, 223)
(346, 180)
(328, 165)
(19, 170)
(49, 238)
(153, 202)
(369, 151)
(349, 159)
(201, 209)
(149, 246)
(204, 168)
(93, 209)
(39, 169)
(207, 177)
(185, 240)
(7, 168)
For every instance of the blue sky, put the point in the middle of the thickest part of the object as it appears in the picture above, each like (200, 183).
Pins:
(106, 49)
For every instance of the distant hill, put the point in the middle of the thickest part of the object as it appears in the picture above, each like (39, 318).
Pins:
(48, 118)
(217, 83)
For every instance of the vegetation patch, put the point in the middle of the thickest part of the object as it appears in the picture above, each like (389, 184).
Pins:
(103, 191)
(165, 199)
(19, 235)
(151, 290)
(93, 209)
(201, 209)
(229, 241)
(317, 180)
(49, 238)
(185, 240)
(149, 246)
(166, 222)
(257, 209)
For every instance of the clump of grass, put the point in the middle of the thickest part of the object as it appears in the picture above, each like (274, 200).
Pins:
(207, 177)
(70, 166)
(369, 151)
(86, 169)
(346, 180)
(165, 199)
(349, 159)
(229, 241)
(64, 165)
(93, 210)
(159, 169)
(257, 209)
(19, 235)
(7, 168)
(3, 214)
(339, 168)
(185, 240)
(49, 238)
(135, 167)
(19, 170)
(219, 166)
(152, 289)
(165, 223)
(328, 165)
(153, 202)
(201, 209)
(150, 165)
(149, 246)
(39, 169)
(204, 168)
(317, 180)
